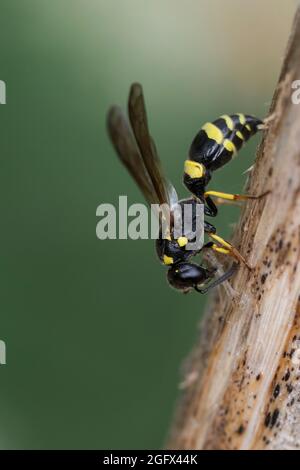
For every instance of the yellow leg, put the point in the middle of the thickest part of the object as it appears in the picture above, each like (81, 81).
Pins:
(230, 249)
(223, 202)
(233, 197)
(219, 249)
(220, 240)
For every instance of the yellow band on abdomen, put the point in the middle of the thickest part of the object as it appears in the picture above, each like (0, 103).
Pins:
(213, 132)
(240, 135)
(229, 145)
(194, 169)
(242, 118)
(229, 121)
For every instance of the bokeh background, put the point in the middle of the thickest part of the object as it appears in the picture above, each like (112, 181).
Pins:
(94, 335)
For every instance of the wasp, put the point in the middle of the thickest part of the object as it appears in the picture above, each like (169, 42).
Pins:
(212, 147)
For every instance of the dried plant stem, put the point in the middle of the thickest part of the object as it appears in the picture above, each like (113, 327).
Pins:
(242, 381)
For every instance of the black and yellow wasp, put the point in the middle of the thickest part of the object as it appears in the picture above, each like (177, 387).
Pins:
(212, 147)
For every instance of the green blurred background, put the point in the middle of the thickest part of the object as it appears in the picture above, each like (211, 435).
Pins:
(94, 335)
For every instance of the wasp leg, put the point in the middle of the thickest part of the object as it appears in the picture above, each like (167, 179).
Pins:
(218, 281)
(227, 248)
(209, 228)
(220, 249)
(210, 209)
(225, 202)
(207, 245)
(267, 121)
(233, 197)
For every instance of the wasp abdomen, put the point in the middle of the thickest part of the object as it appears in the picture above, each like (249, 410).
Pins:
(218, 141)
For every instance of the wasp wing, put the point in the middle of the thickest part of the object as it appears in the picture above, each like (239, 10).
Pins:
(138, 120)
(125, 145)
